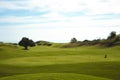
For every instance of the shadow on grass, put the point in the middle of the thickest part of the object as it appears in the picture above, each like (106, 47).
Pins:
(100, 69)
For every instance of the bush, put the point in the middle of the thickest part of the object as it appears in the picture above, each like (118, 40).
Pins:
(43, 43)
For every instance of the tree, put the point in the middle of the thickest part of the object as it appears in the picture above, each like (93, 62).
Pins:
(112, 39)
(112, 35)
(25, 42)
(73, 40)
(117, 38)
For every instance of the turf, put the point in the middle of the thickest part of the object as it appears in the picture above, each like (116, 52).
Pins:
(52, 63)
(53, 76)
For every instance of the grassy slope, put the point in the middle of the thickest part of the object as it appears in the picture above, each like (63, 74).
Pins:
(38, 60)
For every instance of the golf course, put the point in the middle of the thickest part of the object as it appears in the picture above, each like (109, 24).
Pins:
(59, 39)
(55, 63)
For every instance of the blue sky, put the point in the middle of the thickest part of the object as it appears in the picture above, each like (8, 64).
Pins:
(58, 20)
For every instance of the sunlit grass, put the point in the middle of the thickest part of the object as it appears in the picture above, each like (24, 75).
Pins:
(53, 76)
(83, 61)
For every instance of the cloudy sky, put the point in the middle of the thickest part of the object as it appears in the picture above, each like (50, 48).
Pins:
(58, 20)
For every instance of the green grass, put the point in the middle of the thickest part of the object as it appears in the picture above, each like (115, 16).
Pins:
(52, 63)
(53, 76)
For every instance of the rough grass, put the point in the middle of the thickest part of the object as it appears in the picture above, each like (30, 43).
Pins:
(50, 63)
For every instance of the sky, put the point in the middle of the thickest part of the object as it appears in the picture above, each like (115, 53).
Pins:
(58, 20)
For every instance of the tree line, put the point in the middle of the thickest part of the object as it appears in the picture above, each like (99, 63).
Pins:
(112, 40)
(26, 42)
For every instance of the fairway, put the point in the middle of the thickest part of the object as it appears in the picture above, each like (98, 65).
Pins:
(53, 76)
(51, 60)
(51, 63)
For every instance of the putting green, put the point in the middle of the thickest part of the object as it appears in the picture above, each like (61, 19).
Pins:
(50, 60)
(53, 76)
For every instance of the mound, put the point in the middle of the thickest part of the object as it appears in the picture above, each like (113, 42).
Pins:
(53, 76)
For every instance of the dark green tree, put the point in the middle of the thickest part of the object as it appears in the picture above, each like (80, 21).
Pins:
(112, 35)
(117, 38)
(73, 40)
(26, 42)
(112, 39)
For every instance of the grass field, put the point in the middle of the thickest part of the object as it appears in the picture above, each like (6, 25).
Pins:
(53, 63)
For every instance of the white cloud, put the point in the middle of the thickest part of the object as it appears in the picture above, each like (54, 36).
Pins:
(61, 27)
(60, 21)
(94, 6)
(112, 6)
(57, 34)
(10, 5)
